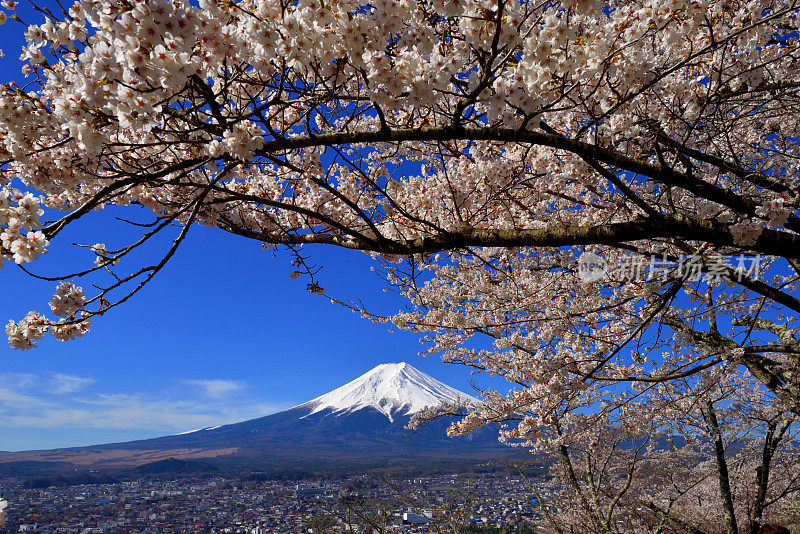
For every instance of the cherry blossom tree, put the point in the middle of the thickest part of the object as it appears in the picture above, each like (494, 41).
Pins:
(505, 136)
(595, 201)
(745, 471)
(726, 462)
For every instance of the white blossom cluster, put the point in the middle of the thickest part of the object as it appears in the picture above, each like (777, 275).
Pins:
(22, 242)
(26, 333)
(68, 303)
(67, 300)
(746, 232)
(19, 238)
(775, 211)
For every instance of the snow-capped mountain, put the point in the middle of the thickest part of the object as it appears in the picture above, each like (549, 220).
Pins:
(362, 423)
(391, 389)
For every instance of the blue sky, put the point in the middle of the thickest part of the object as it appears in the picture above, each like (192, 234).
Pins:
(221, 335)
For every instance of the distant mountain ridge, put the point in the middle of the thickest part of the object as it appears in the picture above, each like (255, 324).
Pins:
(360, 423)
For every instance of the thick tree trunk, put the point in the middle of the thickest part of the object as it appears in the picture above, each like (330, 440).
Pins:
(722, 470)
(590, 508)
(771, 441)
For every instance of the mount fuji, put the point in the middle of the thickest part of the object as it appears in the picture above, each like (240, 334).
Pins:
(360, 424)
(391, 389)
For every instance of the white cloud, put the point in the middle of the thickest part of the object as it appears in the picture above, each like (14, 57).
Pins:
(17, 380)
(29, 401)
(13, 400)
(217, 389)
(140, 412)
(62, 384)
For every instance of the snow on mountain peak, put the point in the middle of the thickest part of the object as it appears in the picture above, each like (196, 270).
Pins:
(389, 388)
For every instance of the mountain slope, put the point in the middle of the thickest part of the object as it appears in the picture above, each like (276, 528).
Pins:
(360, 422)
